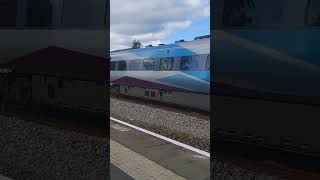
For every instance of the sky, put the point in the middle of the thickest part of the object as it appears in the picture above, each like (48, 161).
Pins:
(157, 21)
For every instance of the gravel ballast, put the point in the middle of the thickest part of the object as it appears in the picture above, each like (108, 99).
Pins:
(32, 151)
(224, 171)
(162, 121)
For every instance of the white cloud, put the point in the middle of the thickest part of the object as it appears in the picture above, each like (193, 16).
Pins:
(151, 21)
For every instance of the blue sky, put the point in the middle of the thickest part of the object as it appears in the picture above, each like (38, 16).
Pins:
(199, 27)
(157, 21)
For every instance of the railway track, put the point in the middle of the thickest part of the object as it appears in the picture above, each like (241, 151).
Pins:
(168, 107)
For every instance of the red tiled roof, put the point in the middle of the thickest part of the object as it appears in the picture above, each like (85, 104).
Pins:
(61, 62)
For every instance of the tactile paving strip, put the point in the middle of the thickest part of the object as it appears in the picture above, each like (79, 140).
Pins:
(137, 166)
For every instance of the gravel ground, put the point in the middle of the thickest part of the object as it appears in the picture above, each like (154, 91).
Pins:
(162, 121)
(32, 151)
(224, 171)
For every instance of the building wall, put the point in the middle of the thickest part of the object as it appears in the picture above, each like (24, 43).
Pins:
(19, 90)
(74, 94)
(199, 101)
(71, 94)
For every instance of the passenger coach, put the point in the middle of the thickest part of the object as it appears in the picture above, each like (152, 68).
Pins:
(267, 91)
(177, 73)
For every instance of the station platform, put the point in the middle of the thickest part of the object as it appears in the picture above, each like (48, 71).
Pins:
(137, 155)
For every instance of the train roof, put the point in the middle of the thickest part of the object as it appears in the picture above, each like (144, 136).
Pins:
(207, 37)
(200, 45)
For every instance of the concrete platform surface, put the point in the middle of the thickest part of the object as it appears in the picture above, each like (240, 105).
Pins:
(116, 173)
(142, 156)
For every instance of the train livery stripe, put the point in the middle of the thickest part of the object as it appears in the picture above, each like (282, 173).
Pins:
(187, 82)
(203, 75)
(281, 40)
(272, 52)
(167, 79)
(224, 89)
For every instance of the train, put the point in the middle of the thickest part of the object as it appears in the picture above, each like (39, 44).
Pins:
(30, 25)
(36, 38)
(267, 73)
(177, 73)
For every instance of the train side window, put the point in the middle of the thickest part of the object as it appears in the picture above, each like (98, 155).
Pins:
(253, 13)
(39, 13)
(166, 64)
(122, 65)
(148, 64)
(8, 13)
(208, 63)
(113, 65)
(134, 65)
(189, 62)
(75, 16)
(313, 13)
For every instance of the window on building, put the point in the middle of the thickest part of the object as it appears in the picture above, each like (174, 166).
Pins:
(60, 83)
(146, 93)
(189, 62)
(166, 64)
(148, 64)
(50, 92)
(122, 66)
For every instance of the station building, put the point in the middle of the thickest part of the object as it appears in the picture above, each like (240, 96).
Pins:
(56, 77)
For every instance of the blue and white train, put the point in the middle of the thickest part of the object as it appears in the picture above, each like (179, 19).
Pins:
(267, 73)
(177, 73)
